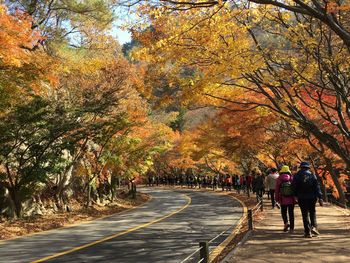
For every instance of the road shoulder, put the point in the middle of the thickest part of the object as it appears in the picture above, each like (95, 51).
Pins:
(24, 227)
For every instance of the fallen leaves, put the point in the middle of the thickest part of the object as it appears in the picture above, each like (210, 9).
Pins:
(15, 228)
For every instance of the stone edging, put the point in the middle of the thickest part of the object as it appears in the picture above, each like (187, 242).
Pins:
(234, 251)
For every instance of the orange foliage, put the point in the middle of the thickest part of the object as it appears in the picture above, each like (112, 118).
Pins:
(23, 63)
(16, 37)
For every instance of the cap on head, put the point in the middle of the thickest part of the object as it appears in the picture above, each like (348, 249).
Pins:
(285, 169)
(273, 170)
(304, 165)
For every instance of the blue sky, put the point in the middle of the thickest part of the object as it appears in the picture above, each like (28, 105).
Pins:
(122, 17)
(123, 36)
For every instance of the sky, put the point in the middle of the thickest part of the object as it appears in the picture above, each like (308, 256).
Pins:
(122, 35)
(122, 17)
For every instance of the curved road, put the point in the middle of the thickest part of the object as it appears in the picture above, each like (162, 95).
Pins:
(165, 229)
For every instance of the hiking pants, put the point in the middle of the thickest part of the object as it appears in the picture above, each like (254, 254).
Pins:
(259, 193)
(290, 210)
(308, 211)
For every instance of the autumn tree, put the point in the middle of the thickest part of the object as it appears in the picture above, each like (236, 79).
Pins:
(67, 97)
(59, 19)
(21, 72)
(259, 56)
(46, 133)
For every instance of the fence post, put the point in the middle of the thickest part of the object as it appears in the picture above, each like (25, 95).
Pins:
(250, 219)
(204, 252)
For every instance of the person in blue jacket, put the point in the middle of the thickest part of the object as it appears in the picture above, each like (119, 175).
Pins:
(307, 190)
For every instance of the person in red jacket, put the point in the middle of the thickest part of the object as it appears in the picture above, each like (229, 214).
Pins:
(284, 195)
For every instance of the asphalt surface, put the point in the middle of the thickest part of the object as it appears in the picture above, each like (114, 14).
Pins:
(165, 229)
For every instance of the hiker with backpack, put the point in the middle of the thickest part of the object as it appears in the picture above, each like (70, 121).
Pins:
(307, 190)
(284, 196)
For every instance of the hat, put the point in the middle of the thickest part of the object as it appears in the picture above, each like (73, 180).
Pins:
(304, 165)
(285, 169)
(273, 170)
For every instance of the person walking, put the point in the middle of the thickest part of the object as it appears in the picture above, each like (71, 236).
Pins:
(222, 182)
(249, 182)
(238, 183)
(271, 180)
(215, 182)
(284, 195)
(259, 186)
(307, 190)
(228, 182)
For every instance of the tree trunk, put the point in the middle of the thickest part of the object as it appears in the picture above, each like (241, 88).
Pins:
(16, 201)
(321, 181)
(114, 184)
(88, 191)
(324, 190)
(2, 198)
(334, 174)
(326, 139)
(62, 187)
(88, 196)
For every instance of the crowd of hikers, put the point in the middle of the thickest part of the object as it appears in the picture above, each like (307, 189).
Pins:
(284, 189)
(252, 182)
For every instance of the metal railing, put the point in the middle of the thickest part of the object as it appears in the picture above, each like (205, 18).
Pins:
(201, 254)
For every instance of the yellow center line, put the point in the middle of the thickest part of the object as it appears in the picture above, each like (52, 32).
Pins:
(116, 235)
(216, 251)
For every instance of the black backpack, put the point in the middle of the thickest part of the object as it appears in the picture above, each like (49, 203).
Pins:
(306, 183)
(286, 189)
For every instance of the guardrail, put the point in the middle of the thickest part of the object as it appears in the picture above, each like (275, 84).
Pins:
(202, 253)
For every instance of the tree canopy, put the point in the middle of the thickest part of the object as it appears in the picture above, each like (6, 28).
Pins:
(216, 86)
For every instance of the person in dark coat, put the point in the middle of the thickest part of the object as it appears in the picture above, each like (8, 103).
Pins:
(259, 185)
(307, 190)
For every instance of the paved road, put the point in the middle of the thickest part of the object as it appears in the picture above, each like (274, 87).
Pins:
(166, 229)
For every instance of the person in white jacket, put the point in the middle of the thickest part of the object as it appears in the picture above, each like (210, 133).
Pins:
(271, 184)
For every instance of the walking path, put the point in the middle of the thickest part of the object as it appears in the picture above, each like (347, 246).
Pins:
(268, 243)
